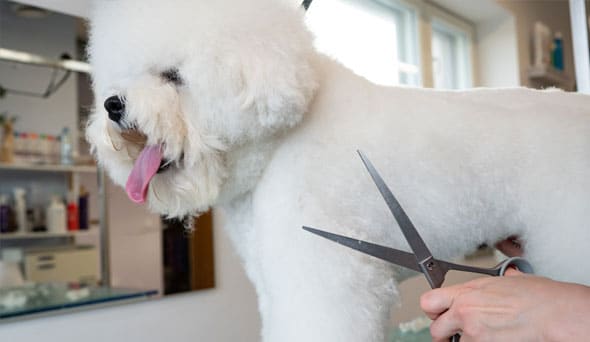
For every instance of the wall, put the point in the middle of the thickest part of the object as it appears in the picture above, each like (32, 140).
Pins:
(497, 51)
(225, 313)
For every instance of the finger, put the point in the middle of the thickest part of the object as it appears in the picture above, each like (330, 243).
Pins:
(437, 301)
(511, 271)
(445, 326)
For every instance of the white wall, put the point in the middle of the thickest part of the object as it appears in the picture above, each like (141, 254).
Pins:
(226, 313)
(497, 52)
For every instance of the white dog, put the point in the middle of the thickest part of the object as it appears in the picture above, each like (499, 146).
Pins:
(225, 103)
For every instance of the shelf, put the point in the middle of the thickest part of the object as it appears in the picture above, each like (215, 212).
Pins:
(48, 167)
(551, 75)
(46, 235)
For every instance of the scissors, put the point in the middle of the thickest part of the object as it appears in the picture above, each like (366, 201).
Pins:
(421, 260)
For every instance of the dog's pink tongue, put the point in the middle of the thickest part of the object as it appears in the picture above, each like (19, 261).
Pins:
(146, 166)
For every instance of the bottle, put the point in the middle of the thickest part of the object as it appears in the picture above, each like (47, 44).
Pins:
(20, 207)
(7, 143)
(25, 147)
(33, 148)
(73, 216)
(66, 146)
(557, 54)
(43, 149)
(83, 209)
(56, 216)
(4, 214)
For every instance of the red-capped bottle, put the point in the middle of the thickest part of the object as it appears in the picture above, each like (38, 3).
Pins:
(73, 216)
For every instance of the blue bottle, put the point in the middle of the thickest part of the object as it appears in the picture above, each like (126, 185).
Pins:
(558, 51)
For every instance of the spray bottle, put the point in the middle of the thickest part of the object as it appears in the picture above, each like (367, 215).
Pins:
(20, 207)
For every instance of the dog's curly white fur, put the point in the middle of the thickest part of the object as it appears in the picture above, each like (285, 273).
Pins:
(266, 128)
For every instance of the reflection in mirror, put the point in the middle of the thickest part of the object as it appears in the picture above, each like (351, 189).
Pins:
(68, 236)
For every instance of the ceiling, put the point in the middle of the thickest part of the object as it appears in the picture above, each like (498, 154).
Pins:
(78, 8)
(475, 11)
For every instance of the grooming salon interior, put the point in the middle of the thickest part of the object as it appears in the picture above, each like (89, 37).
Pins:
(80, 261)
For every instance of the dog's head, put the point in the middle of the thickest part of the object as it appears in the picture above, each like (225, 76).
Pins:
(180, 84)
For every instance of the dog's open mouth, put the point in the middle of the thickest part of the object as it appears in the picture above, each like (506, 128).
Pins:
(149, 163)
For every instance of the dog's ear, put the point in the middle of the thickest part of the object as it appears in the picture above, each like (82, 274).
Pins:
(276, 73)
(278, 87)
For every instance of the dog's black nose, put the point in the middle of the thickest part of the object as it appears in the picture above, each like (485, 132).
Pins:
(115, 107)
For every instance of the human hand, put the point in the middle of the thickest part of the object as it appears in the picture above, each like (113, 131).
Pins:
(517, 307)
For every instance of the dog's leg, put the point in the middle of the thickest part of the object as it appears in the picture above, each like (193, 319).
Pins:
(557, 234)
(315, 293)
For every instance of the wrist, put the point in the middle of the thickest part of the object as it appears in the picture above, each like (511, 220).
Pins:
(571, 320)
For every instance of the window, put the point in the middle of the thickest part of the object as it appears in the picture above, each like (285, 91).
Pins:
(381, 41)
(450, 57)
(376, 39)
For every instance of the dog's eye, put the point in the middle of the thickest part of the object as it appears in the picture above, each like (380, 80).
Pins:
(172, 76)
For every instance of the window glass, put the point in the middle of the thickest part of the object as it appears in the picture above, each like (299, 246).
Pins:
(451, 62)
(376, 39)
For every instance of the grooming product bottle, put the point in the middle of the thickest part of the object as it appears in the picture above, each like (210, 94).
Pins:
(56, 216)
(83, 209)
(4, 214)
(20, 207)
(66, 146)
(72, 213)
(542, 45)
(557, 53)
(7, 143)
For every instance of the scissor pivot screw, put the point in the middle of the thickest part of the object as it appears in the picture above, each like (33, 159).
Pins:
(430, 265)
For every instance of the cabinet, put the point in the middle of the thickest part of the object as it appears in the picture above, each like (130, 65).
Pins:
(65, 265)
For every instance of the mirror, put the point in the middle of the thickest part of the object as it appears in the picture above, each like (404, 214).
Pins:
(68, 236)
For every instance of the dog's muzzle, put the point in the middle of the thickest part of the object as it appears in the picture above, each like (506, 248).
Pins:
(115, 106)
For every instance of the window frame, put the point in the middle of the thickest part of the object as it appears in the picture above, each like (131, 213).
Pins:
(431, 15)
(408, 41)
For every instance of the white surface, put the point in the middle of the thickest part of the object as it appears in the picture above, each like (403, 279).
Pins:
(135, 243)
(497, 51)
(225, 313)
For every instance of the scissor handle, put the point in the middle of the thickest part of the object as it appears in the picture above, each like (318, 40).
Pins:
(520, 263)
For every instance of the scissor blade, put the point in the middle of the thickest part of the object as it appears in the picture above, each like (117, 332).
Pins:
(416, 243)
(434, 275)
(392, 255)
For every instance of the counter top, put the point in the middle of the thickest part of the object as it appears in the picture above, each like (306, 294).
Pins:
(35, 299)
